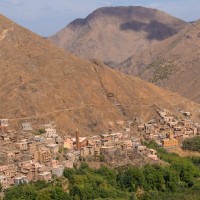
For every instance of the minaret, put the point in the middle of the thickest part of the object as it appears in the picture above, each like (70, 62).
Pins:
(171, 135)
(77, 140)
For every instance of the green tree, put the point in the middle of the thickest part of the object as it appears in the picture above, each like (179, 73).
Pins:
(22, 192)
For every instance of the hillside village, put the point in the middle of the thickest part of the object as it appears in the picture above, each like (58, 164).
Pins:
(76, 125)
(41, 154)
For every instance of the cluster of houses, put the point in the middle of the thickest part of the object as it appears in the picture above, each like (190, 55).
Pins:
(26, 156)
(168, 130)
(30, 155)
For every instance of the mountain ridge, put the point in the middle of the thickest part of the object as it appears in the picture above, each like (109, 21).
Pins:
(170, 63)
(110, 34)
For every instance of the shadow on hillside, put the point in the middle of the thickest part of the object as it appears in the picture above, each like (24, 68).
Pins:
(155, 29)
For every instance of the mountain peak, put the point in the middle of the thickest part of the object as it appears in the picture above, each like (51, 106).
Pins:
(101, 33)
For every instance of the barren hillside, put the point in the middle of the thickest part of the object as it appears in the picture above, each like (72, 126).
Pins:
(112, 34)
(40, 83)
(173, 63)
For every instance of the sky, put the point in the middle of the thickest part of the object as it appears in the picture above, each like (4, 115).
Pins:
(46, 17)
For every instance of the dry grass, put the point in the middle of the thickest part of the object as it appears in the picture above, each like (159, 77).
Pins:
(184, 153)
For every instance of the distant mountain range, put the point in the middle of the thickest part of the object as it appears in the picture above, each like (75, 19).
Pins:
(40, 82)
(112, 34)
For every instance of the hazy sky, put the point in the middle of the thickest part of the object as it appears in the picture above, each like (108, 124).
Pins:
(46, 17)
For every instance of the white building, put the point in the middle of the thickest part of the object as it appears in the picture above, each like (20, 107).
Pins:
(4, 122)
(26, 126)
(51, 133)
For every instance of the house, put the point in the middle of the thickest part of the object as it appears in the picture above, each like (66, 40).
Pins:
(186, 123)
(140, 127)
(3, 168)
(4, 181)
(127, 129)
(152, 151)
(51, 133)
(5, 137)
(54, 163)
(109, 143)
(119, 135)
(20, 180)
(178, 135)
(141, 148)
(168, 119)
(188, 133)
(149, 128)
(54, 148)
(26, 126)
(177, 128)
(45, 176)
(68, 143)
(44, 156)
(22, 145)
(94, 142)
(87, 151)
(32, 148)
(39, 139)
(172, 123)
(4, 122)
(114, 136)
(107, 150)
(195, 130)
(25, 163)
(58, 170)
(127, 144)
(105, 137)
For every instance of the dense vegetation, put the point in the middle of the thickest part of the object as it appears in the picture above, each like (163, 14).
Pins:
(192, 144)
(37, 191)
(175, 179)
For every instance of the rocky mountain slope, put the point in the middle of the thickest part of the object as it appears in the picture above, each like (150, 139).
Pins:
(40, 83)
(112, 34)
(173, 63)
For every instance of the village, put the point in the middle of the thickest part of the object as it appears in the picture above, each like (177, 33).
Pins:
(27, 157)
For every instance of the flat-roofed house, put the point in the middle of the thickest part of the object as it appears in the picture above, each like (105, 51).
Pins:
(45, 176)
(3, 168)
(20, 180)
(68, 143)
(26, 126)
(58, 170)
(4, 181)
(4, 122)
(54, 148)
(22, 145)
(51, 133)
(44, 155)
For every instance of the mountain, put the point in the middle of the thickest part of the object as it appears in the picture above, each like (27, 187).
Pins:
(112, 34)
(173, 63)
(40, 83)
